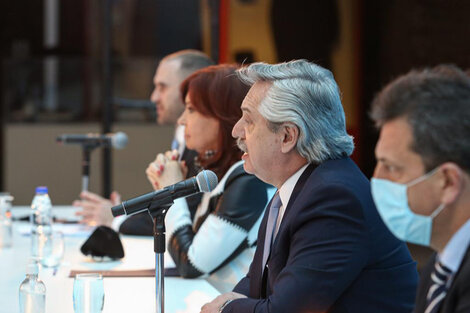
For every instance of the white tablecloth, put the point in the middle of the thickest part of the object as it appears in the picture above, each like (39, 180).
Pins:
(121, 294)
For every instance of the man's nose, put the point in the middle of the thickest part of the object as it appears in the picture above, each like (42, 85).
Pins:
(236, 130)
(378, 171)
(155, 96)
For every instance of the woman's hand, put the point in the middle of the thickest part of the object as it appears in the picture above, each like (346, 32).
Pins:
(166, 170)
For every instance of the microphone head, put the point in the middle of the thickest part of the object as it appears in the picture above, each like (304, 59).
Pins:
(60, 139)
(119, 140)
(118, 210)
(206, 180)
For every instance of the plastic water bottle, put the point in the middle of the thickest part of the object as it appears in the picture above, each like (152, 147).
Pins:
(5, 220)
(41, 221)
(32, 291)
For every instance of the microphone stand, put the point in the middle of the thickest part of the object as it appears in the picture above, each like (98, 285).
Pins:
(158, 215)
(86, 151)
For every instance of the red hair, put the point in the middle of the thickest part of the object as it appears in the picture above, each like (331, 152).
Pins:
(217, 92)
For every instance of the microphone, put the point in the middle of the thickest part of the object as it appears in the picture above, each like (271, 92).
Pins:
(117, 140)
(205, 181)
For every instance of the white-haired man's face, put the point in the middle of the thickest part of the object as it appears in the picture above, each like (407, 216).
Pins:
(260, 145)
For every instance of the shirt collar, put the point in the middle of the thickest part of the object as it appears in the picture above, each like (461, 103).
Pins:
(178, 140)
(286, 189)
(455, 249)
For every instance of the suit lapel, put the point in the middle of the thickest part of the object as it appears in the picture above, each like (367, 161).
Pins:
(448, 305)
(297, 189)
(460, 279)
(256, 278)
(257, 286)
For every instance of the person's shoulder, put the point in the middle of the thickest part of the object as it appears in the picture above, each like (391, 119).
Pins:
(244, 197)
(340, 173)
(332, 184)
(238, 175)
(243, 182)
(235, 172)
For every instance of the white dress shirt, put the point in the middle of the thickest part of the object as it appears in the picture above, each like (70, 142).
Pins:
(285, 192)
(455, 249)
(178, 141)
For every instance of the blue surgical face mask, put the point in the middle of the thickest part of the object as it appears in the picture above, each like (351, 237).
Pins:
(391, 201)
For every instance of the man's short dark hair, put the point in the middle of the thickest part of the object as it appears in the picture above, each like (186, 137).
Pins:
(191, 60)
(436, 104)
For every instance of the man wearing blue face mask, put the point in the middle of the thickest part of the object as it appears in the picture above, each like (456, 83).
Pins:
(421, 183)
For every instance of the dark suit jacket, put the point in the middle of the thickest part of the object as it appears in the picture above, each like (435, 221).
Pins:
(142, 224)
(457, 299)
(332, 252)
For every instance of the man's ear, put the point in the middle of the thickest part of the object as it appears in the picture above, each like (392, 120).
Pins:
(452, 182)
(290, 134)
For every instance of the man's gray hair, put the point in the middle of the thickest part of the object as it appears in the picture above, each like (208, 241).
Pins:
(307, 96)
(191, 60)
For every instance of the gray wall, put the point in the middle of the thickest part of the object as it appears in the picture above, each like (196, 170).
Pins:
(33, 158)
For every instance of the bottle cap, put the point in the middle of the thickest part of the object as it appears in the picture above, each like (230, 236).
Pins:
(41, 189)
(5, 197)
(32, 268)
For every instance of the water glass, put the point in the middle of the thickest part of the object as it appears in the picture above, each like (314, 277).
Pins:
(53, 249)
(6, 233)
(88, 293)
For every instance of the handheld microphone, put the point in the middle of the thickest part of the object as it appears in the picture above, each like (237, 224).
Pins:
(117, 140)
(205, 181)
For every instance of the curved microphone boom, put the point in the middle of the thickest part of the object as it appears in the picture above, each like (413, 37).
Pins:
(205, 181)
(117, 140)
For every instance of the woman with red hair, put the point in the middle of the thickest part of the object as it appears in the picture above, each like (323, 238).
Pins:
(220, 239)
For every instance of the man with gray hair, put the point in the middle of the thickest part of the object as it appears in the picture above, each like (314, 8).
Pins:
(421, 183)
(322, 246)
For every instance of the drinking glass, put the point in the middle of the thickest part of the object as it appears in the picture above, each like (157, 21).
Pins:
(53, 249)
(6, 233)
(88, 293)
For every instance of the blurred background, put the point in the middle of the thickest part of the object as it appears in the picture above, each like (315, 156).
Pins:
(81, 66)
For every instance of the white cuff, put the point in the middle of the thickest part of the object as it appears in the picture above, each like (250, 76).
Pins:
(117, 221)
(177, 216)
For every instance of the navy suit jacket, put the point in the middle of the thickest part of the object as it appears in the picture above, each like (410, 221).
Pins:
(457, 299)
(332, 252)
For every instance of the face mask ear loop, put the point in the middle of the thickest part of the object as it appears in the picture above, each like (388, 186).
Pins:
(421, 178)
(437, 211)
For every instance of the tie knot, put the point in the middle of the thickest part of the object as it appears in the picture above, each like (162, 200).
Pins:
(276, 203)
(441, 273)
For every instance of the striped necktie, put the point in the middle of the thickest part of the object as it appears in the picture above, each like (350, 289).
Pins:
(270, 227)
(438, 290)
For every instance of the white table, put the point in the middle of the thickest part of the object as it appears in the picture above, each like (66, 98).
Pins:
(121, 294)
